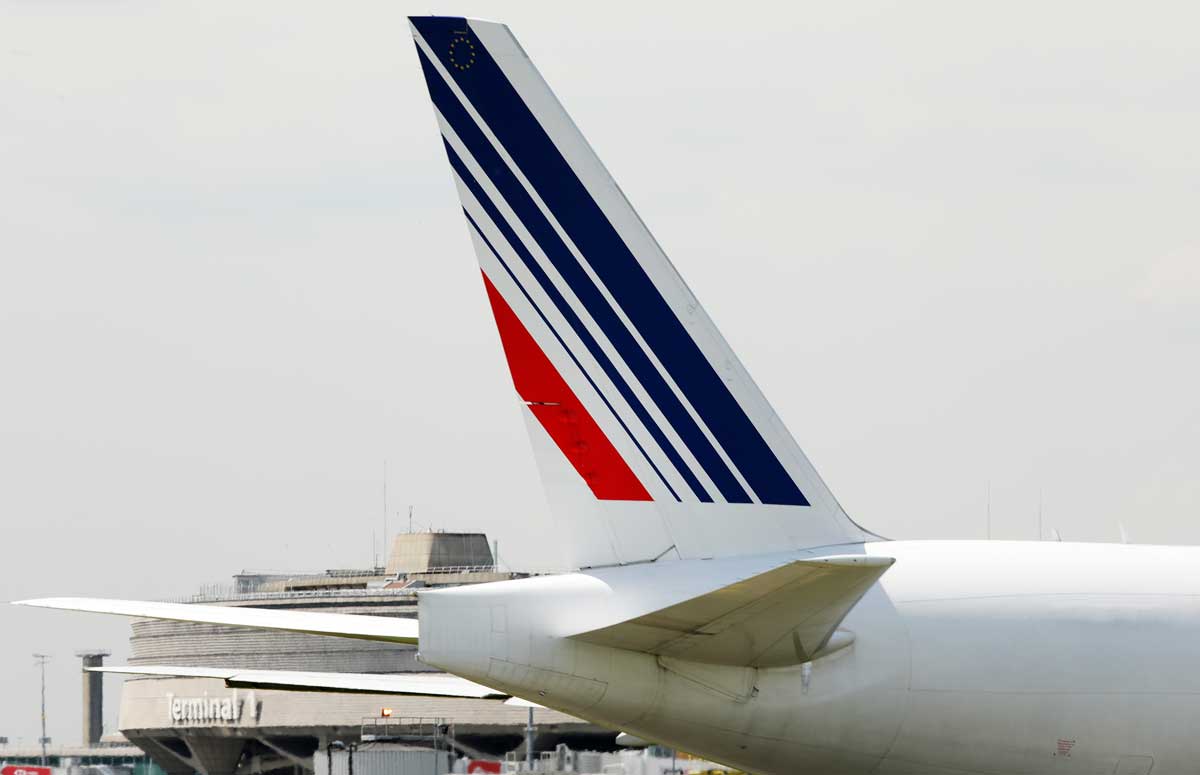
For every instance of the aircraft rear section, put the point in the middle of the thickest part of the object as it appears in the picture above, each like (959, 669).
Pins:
(513, 636)
(1098, 678)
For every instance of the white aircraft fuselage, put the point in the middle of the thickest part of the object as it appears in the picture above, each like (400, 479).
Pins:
(967, 656)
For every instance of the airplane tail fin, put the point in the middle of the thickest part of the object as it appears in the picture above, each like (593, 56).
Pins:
(651, 437)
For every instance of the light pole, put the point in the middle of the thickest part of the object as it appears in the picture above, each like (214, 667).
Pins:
(42, 659)
(529, 741)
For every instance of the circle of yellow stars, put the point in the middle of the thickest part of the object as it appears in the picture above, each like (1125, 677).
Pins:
(462, 53)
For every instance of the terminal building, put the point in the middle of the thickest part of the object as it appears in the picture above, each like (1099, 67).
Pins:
(189, 725)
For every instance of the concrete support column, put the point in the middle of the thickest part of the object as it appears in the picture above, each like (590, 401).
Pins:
(302, 759)
(216, 755)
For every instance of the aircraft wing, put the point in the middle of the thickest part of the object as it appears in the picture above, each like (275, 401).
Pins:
(425, 684)
(781, 617)
(381, 628)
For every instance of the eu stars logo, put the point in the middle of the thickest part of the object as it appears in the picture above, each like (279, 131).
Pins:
(462, 53)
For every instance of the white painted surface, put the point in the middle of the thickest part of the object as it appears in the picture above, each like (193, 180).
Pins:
(968, 657)
(394, 630)
(426, 684)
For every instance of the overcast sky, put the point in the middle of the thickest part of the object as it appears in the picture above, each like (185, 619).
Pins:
(955, 244)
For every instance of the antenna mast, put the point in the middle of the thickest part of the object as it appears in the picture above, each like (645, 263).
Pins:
(41, 660)
(385, 506)
(989, 510)
(1040, 533)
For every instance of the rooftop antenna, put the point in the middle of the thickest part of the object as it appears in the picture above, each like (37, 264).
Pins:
(410, 512)
(1041, 535)
(989, 510)
(40, 660)
(385, 503)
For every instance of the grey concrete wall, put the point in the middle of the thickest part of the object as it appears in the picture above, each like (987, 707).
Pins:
(422, 552)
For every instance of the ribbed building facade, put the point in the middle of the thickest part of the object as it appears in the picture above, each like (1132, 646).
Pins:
(207, 645)
(269, 731)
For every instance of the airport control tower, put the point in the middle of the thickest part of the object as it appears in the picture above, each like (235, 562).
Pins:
(93, 695)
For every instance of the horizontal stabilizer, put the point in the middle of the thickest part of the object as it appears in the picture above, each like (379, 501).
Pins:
(423, 684)
(381, 628)
(782, 617)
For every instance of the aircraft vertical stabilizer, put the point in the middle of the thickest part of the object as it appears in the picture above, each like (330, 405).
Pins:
(652, 440)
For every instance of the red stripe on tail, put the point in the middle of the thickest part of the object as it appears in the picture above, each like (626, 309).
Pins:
(559, 411)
